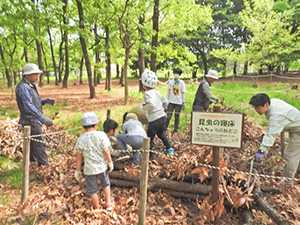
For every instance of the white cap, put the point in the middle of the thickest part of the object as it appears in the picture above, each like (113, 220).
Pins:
(31, 68)
(212, 74)
(89, 118)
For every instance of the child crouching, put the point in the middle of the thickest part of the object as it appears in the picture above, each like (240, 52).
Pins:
(92, 146)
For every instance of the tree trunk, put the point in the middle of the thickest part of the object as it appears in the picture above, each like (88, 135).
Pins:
(107, 59)
(204, 60)
(121, 77)
(141, 59)
(53, 57)
(234, 67)
(8, 77)
(46, 64)
(61, 58)
(81, 68)
(117, 71)
(67, 68)
(66, 41)
(25, 54)
(194, 76)
(154, 44)
(85, 51)
(40, 62)
(245, 72)
(127, 51)
(15, 77)
(97, 57)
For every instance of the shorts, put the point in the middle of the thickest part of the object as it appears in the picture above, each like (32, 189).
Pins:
(91, 182)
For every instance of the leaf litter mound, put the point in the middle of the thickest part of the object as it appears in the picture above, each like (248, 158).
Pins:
(55, 197)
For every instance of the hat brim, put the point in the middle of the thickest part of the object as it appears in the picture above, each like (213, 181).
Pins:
(216, 78)
(32, 72)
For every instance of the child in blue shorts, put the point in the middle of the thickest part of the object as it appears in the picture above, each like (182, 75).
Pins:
(92, 146)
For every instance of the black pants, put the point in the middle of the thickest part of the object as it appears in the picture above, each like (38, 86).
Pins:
(157, 127)
(171, 108)
(37, 149)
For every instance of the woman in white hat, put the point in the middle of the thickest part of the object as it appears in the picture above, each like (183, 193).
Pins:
(203, 96)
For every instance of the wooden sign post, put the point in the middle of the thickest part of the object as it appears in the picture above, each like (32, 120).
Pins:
(218, 130)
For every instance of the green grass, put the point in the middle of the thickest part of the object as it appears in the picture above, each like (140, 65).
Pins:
(237, 96)
(11, 172)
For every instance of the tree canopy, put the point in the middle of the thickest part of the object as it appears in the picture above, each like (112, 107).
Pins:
(193, 34)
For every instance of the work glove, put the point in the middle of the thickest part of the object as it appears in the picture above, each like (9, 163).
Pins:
(50, 101)
(78, 175)
(183, 106)
(47, 121)
(110, 166)
(259, 155)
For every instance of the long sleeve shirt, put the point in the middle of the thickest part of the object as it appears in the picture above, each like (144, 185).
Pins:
(281, 117)
(204, 95)
(29, 102)
(155, 104)
(134, 127)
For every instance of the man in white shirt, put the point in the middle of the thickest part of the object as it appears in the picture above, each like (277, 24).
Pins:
(281, 117)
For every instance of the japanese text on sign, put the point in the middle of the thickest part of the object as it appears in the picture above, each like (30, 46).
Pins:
(217, 129)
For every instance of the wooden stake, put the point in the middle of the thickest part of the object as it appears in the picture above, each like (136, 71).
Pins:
(25, 176)
(144, 182)
(215, 172)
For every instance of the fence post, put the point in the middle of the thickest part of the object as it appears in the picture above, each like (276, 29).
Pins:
(26, 150)
(108, 114)
(216, 172)
(144, 182)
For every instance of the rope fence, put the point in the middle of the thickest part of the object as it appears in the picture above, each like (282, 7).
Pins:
(173, 157)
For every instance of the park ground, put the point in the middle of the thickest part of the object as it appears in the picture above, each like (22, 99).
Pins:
(56, 198)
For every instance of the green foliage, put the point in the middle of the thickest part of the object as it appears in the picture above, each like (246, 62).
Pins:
(11, 172)
(270, 34)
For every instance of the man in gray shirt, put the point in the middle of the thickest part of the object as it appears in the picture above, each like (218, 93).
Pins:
(203, 96)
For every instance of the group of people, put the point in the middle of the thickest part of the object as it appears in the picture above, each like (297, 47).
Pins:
(94, 147)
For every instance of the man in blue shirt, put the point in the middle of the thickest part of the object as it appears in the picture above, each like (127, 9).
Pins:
(31, 113)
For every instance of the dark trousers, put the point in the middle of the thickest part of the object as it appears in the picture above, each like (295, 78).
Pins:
(157, 127)
(37, 149)
(171, 108)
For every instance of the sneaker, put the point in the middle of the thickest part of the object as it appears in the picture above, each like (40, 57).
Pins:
(169, 151)
(123, 157)
(110, 206)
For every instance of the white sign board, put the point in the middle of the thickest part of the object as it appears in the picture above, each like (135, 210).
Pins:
(217, 129)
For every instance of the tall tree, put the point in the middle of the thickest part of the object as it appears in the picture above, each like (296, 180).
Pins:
(85, 50)
(154, 43)
(271, 33)
(66, 41)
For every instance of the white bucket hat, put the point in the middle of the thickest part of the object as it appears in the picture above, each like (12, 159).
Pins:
(31, 68)
(89, 118)
(212, 74)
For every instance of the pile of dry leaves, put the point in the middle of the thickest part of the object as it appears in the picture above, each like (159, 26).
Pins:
(57, 198)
